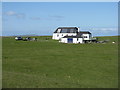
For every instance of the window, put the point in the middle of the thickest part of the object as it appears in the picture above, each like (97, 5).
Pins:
(72, 30)
(64, 31)
(69, 30)
(58, 31)
(57, 35)
(85, 36)
(77, 39)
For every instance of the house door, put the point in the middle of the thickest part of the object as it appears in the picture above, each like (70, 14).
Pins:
(70, 40)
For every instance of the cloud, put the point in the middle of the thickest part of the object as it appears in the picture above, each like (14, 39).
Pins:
(17, 15)
(49, 18)
(105, 29)
(21, 15)
(35, 18)
(57, 16)
(102, 31)
(10, 13)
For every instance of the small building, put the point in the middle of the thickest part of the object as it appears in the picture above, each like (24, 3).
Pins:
(72, 39)
(72, 35)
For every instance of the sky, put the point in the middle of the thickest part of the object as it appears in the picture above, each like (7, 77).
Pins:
(42, 18)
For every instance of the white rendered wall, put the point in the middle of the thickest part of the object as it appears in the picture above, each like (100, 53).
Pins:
(79, 40)
(65, 40)
(58, 36)
(74, 40)
(88, 37)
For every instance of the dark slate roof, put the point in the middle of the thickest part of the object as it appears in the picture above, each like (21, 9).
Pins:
(79, 35)
(84, 32)
(68, 29)
(72, 37)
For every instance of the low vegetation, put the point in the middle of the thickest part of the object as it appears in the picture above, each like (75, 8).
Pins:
(46, 63)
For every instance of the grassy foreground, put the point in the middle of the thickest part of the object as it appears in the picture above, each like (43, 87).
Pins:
(50, 64)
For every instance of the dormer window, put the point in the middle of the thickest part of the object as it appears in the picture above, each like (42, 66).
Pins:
(64, 31)
(58, 30)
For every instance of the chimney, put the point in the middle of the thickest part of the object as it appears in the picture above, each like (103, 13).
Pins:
(78, 29)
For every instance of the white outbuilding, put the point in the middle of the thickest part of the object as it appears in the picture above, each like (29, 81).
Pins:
(72, 39)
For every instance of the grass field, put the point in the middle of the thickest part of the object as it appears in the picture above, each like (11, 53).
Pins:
(50, 64)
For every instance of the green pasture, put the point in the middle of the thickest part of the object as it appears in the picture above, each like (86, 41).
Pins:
(46, 63)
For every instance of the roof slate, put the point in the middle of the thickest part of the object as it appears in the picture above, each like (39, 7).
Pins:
(79, 35)
(69, 29)
(84, 32)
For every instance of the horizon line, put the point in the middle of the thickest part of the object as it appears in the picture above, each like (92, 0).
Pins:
(48, 35)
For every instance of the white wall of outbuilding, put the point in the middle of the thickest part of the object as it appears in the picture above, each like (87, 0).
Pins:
(88, 37)
(75, 40)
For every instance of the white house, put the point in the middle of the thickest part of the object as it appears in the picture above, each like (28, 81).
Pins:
(65, 31)
(72, 35)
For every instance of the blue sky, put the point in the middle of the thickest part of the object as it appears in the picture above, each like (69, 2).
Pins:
(42, 18)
